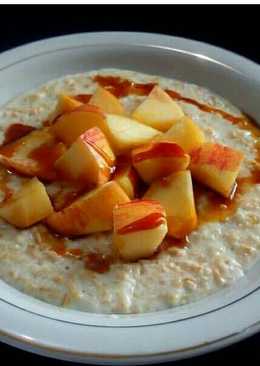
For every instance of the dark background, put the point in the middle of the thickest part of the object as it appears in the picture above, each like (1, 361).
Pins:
(231, 27)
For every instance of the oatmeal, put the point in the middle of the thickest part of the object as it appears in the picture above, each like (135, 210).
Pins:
(79, 269)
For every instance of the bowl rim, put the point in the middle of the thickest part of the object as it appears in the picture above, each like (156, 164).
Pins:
(154, 39)
(227, 58)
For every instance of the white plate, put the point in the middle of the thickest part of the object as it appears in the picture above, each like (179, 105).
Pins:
(216, 321)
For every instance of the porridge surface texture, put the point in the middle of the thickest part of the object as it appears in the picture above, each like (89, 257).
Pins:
(218, 253)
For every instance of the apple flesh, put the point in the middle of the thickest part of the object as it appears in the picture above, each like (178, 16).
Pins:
(106, 101)
(217, 166)
(159, 159)
(95, 137)
(175, 193)
(92, 212)
(125, 134)
(139, 228)
(33, 154)
(122, 133)
(65, 104)
(70, 126)
(86, 161)
(27, 206)
(158, 110)
(127, 178)
(185, 133)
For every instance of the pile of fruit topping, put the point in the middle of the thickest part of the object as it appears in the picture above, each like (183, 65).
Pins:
(132, 174)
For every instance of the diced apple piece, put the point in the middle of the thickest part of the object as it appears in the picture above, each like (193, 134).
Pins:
(27, 206)
(127, 178)
(106, 101)
(139, 228)
(216, 166)
(92, 212)
(158, 110)
(159, 159)
(125, 134)
(95, 137)
(65, 104)
(84, 161)
(185, 133)
(33, 154)
(122, 133)
(71, 125)
(175, 193)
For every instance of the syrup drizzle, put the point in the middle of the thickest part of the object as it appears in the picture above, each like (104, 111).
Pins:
(211, 205)
(148, 222)
(16, 131)
(123, 87)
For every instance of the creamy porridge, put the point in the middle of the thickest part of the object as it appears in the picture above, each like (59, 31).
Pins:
(83, 272)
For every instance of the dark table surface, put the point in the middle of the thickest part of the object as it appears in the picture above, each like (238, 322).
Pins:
(230, 27)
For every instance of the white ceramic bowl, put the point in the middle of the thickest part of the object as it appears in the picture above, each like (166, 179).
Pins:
(218, 320)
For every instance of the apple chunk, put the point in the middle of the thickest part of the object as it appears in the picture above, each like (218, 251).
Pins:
(175, 193)
(95, 137)
(185, 133)
(216, 166)
(70, 126)
(27, 206)
(159, 159)
(127, 178)
(33, 154)
(158, 110)
(92, 212)
(88, 160)
(139, 228)
(65, 104)
(125, 134)
(122, 133)
(106, 101)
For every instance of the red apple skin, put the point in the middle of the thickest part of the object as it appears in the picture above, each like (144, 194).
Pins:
(95, 137)
(139, 229)
(216, 166)
(126, 176)
(159, 159)
(90, 213)
(82, 163)
(222, 157)
(69, 126)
